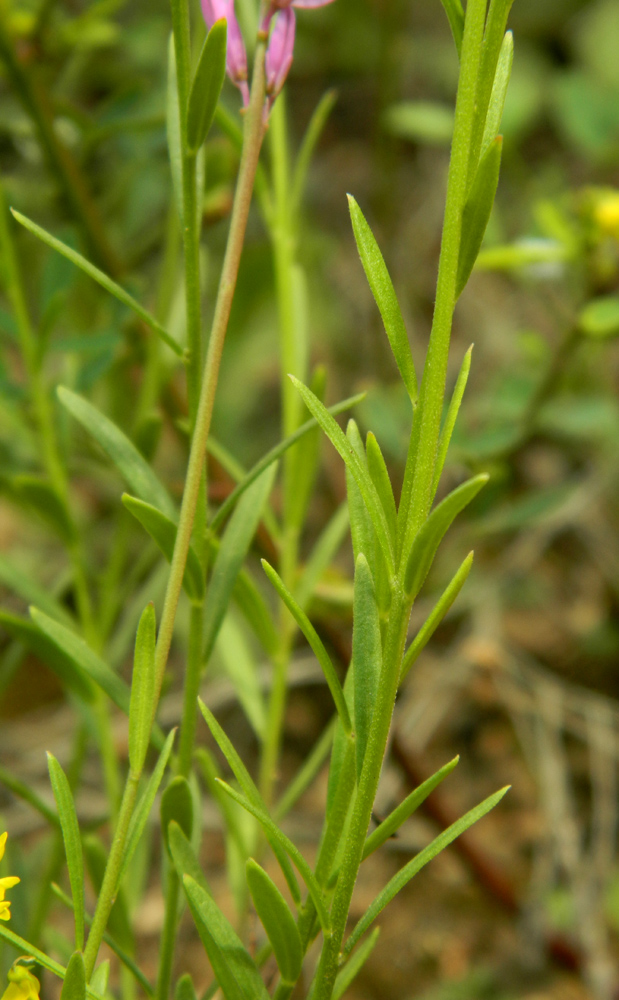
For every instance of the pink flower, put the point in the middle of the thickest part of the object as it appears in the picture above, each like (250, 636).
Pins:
(279, 54)
(236, 56)
(276, 5)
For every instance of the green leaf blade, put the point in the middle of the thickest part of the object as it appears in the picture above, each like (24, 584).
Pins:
(384, 293)
(236, 972)
(207, 85)
(132, 466)
(145, 804)
(278, 922)
(162, 530)
(477, 210)
(455, 16)
(434, 528)
(99, 276)
(143, 688)
(72, 843)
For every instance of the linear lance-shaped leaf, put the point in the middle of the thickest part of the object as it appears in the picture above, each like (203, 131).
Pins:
(397, 883)
(184, 856)
(277, 920)
(132, 466)
(499, 91)
(142, 703)
(74, 986)
(436, 616)
(206, 86)
(100, 277)
(72, 843)
(315, 642)
(432, 531)
(450, 419)
(361, 475)
(386, 299)
(162, 530)
(379, 475)
(477, 210)
(234, 968)
(145, 804)
(455, 16)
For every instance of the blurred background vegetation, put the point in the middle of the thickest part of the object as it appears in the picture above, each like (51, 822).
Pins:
(522, 678)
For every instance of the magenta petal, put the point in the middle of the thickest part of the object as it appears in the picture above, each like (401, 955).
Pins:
(280, 52)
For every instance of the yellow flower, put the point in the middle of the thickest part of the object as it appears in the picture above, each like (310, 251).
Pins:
(606, 213)
(5, 883)
(22, 984)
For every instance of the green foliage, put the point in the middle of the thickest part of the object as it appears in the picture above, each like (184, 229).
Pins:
(277, 921)
(177, 805)
(72, 842)
(142, 704)
(206, 85)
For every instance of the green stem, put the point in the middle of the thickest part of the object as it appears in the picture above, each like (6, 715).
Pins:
(109, 888)
(191, 691)
(393, 651)
(240, 212)
(61, 161)
(419, 474)
(168, 937)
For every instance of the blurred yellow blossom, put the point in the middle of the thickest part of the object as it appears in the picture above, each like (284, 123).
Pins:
(5, 883)
(22, 984)
(606, 212)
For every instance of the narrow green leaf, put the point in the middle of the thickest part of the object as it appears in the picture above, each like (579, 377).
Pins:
(275, 834)
(142, 702)
(43, 499)
(452, 415)
(394, 820)
(477, 210)
(101, 976)
(364, 539)
(145, 804)
(74, 986)
(100, 277)
(272, 456)
(499, 92)
(241, 668)
(340, 744)
(406, 873)
(384, 293)
(362, 477)
(253, 607)
(432, 531)
(72, 842)
(184, 856)
(49, 653)
(379, 475)
(246, 782)
(278, 922)
(84, 659)
(366, 655)
(184, 989)
(232, 551)
(173, 129)
(206, 86)
(455, 16)
(436, 616)
(236, 972)
(132, 466)
(176, 804)
(354, 965)
(315, 642)
(32, 592)
(162, 530)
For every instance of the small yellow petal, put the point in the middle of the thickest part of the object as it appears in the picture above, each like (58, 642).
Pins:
(9, 881)
(2, 843)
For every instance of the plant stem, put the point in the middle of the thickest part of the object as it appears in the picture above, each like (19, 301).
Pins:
(249, 161)
(393, 650)
(419, 474)
(109, 887)
(191, 690)
(168, 936)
